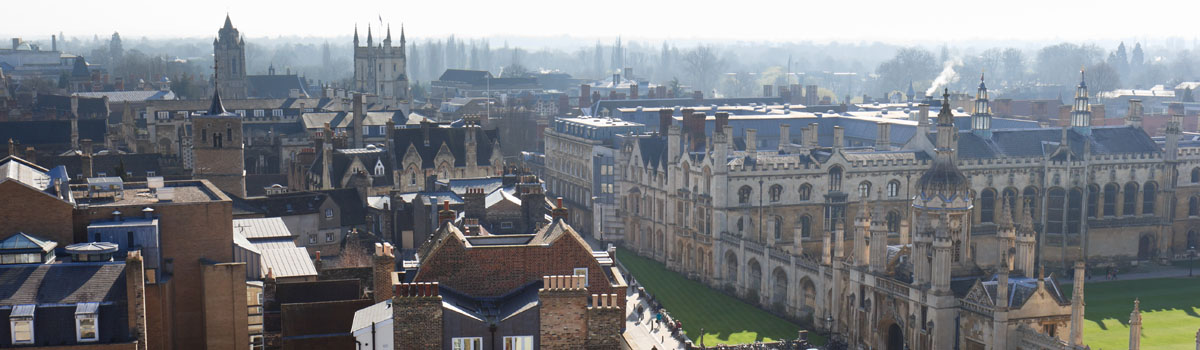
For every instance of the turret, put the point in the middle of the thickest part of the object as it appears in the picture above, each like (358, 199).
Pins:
(942, 246)
(1081, 115)
(1174, 131)
(879, 232)
(1007, 233)
(981, 120)
(862, 227)
(356, 35)
(922, 241)
(1026, 240)
(1077, 305)
(1135, 327)
(387, 41)
(370, 42)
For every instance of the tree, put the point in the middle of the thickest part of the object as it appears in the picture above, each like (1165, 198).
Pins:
(909, 65)
(1103, 77)
(1137, 59)
(703, 65)
(1059, 64)
(674, 87)
(1014, 65)
(1119, 60)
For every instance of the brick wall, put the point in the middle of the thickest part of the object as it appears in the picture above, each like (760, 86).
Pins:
(225, 319)
(606, 321)
(417, 316)
(33, 212)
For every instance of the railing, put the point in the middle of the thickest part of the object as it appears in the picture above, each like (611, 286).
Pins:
(753, 246)
(1124, 221)
(780, 255)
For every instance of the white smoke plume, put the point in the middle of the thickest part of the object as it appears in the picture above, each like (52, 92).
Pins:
(947, 76)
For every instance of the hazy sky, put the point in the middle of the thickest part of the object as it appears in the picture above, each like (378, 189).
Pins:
(752, 20)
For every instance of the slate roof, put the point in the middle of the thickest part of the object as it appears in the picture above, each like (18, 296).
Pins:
(465, 76)
(653, 152)
(62, 283)
(137, 164)
(342, 159)
(1021, 288)
(488, 184)
(62, 103)
(264, 104)
(284, 204)
(353, 208)
(127, 96)
(1038, 142)
(274, 86)
(51, 132)
(495, 308)
(256, 184)
(453, 138)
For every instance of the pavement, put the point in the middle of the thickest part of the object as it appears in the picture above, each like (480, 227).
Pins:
(1147, 271)
(639, 332)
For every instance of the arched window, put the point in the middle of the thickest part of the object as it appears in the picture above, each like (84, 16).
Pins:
(741, 225)
(1193, 240)
(1193, 206)
(864, 189)
(1110, 199)
(1074, 210)
(1093, 201)
(1031, 200)
(987, 205)
(776, 191)
(1010, 196)
(379, 168)
(1195, 175)
(1055, 204)
(744, 195)
(1131, 198)
(835, 179)
(778, 228)
(805, 192)
(1150, 194)
(805, 226)
(893, 221)
(893, 189)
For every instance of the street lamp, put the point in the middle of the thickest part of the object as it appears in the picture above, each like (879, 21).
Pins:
(828, 329)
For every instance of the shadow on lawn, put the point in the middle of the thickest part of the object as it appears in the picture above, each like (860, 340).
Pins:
(1114, 300)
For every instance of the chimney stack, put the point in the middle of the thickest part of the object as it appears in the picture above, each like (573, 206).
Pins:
(721, 122)
(1134, 116)
(785, 136)
(698, 95)
(883, 142)
(53, 42)
(446, 215)
(585, 94)
(810, 136)
(616, 81)
(633, 91)
(751, 143)
(767, 90)
(383, 266)
(560, 211)
(839, 136)
(664, 120)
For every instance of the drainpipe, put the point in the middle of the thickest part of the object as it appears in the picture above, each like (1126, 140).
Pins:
(492, 328)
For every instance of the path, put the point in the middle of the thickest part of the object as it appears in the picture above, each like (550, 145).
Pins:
(638, 331)
(1147, 272)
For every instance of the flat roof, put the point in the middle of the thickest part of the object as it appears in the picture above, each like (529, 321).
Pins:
(600, 122)
(137, 193)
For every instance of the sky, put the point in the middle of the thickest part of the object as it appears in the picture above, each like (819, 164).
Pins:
(898, 21)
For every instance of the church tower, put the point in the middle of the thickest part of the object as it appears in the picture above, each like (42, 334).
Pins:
(229, 56)
(217, 148)
(381, 70)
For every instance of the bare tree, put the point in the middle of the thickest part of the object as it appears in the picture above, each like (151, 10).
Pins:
(704, 66)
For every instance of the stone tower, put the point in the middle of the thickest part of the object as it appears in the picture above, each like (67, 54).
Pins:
(981, 119)
(217, 148)
(380, 70)
(229, 58)
(1081, 113)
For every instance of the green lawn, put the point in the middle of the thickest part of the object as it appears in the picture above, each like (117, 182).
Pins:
(1170, 313)
(725, 320)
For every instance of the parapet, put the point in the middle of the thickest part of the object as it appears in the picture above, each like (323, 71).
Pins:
(563, 283)
(417, 290)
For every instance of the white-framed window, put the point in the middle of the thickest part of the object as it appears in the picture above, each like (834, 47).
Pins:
(277, 112)
(308, 109)
(151, 173)
(366, 129)
(383, 129)
(329, 236)
(256, 342)
(329, 213)
(467, 343)
(519, 342)
(312, 238)
(581, 271)
(162, 115)
(86, 329)
(379, 169)
(259, 113)
(260, 298)
(22, 331)
(506, 225)
(241, 112)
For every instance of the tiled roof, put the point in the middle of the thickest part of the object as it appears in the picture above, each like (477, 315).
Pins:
(342, 158)
(47, 132)
(1034, 142)
(62, 283)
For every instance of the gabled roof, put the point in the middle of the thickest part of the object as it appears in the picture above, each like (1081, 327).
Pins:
(287, 262)
(62, 283)
(453, 138)
(24, 172)
(343, 158)
(352, 207)
(1034, 142)
(25, 242)
(378, 313)
(274, 86)
(654, 152)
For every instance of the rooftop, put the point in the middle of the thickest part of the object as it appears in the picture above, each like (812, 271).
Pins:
(137, 193)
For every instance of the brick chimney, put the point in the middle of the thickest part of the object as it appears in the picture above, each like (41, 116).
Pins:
(446, 215)
(560, 211)
(785, 135)
(766, 90)
(356, 123)
(474, 202)
(722, 120)
(694, 127)
(417, 316)
(633, 91)
(664, 120)
(383, 268)
(327, 157)
(533, 201)
(135, 293)
(839, 136)
(564, 302)
(698, 95)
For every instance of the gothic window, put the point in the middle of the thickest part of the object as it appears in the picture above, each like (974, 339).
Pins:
(776, 192)
(805, 226)
(379, 168)
(893, 189)
(805, 192)
(1055, 205)
(957, 250)
(741, 225)
(1195, 175)
(987, 205)
(864, 189)
(1074, 210)
(1110, 199)
(1193, 206)
(835, 179)
(1131, 197)
(1149, 195)
(1193, 240)
(1031, 200)
(893, 221)
(204, 135)
(1093, 200)
(744, 195)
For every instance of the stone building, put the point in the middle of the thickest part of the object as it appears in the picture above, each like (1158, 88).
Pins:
(380, 70)
(773, 225)
(218, 149)
(229, 58)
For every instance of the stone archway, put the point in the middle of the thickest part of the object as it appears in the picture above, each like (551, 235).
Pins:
(731, 267)
(1146, 247)
(808, 294)
(754, 277)
(779, 287)
(895, 337)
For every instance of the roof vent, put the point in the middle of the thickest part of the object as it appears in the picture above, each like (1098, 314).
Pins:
(92, 251)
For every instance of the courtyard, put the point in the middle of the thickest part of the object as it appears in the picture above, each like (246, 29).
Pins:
(1170, 312)
(724, 319)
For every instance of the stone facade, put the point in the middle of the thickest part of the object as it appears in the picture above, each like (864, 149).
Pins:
(380, 70)
(229, 56)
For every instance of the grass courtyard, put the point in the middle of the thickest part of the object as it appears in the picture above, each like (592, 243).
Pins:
(725, 320)
(1170, 312)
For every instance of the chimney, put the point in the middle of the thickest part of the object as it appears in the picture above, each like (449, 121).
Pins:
(533, 201)
(695, 131)
(751, 143)
(357, 122)
(54, 43)
(317, 261)
(811, 97)
(664, 120)
(767, 90)
(810, 136)
(474, 203)
(383, 266)
(1134, 116)
(135, 294)
(698, 95)
(785, 136)
(721, 121)
(633, 91)
(785, 94)
(839, 136)
(628, 73)
(883, 142)
(417, 316)
(560, 211)
(327, 158)
(15, 43)
(446, 215)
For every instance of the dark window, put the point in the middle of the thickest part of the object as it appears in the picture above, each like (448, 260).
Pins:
(1074, 211)
(1195, 175)
(1093, 201)
(805, 192)
(893, 188)
(1032, 201)
(1009, 196)
(1131, 197)
(805, 226)
(1193, 206)
(835, 179)
(1055, 204)
(129, 239)
(204, 135)
(1110, 199)
(987, 205)
(893, 221)
(744, 195)
(1148, 199)
(776, 192)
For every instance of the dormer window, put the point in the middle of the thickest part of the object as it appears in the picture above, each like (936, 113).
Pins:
(86, 329)
(379, 168)
(21, 324)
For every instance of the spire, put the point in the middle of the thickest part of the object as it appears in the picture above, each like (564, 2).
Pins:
(228, 23)
(387, 40)
(401, 34)
(370, 42)
(945, 116)
(981, 120)
(1005, 219)
(356, 35)
(1135, 326)
(216, 108)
